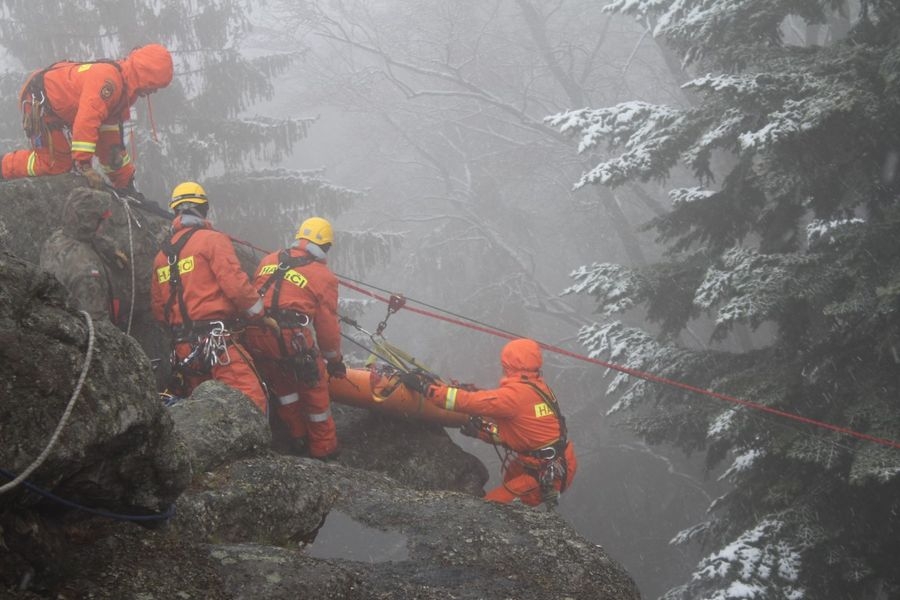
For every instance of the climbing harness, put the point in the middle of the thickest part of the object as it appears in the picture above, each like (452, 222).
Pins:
(176, 289)
(66, 414)
(38, 117)
(209, 340)
(301, 356)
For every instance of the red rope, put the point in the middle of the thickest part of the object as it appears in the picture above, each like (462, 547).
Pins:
(649, 376)
(627, 370)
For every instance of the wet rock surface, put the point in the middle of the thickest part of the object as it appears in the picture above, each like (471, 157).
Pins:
(246, 519)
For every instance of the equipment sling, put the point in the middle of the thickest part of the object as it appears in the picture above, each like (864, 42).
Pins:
(176, 289)
(303, 360)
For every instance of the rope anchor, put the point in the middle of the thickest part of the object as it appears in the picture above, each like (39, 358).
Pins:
(395, 303)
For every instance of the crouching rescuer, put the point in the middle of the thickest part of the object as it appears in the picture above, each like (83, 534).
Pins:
(301, 294)
(200, 291)
(523, 417)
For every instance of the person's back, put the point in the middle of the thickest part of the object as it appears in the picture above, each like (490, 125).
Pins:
(301, 294)
(199, 290)
(214, 285)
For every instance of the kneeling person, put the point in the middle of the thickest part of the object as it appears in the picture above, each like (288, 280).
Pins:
(523, 417)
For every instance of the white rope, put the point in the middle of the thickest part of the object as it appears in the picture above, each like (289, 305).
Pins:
(129, 216)
(65, 417)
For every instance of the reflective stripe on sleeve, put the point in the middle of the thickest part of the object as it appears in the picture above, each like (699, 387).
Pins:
(84, 147)
(256, 309)
(289, 399)
(319, 417)
(30, 166)
(450, 402)
(109, 128)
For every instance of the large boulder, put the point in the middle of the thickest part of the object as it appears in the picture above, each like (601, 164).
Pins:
(32, 210)
(220, 425)
(420, 455)
(252, 531)
(118, 448)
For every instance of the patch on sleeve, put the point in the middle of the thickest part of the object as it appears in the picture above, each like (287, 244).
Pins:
(108, 89)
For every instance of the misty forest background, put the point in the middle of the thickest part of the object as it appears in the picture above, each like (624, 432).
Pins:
(702, 189)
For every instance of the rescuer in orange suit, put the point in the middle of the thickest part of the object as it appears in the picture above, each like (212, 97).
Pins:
(73, 111)
(204, 300)
(301, 294)
(523, 416)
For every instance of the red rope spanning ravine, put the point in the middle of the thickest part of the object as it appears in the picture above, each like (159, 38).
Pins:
(627, 370)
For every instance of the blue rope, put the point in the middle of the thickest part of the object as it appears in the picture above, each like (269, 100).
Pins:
(168, 514)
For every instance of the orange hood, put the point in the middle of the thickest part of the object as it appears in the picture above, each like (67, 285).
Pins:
(522, 356)
(147, 68)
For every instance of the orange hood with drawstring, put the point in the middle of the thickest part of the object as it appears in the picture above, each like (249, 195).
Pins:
(522, 356)
(147, 68)
(524, 421)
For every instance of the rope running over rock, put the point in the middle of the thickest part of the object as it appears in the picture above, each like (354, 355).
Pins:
(65, 417)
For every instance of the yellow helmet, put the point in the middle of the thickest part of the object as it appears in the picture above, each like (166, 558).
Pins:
(189, 191)
(317, 230)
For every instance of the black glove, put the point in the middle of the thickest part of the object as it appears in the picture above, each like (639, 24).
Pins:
(131, 191)
(416, 382)
(336, 368)
(472, 427)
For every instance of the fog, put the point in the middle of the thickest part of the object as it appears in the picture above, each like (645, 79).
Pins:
(436, 112)
(701, 190)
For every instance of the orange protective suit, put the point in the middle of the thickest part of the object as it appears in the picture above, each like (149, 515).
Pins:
(88, 101)
(294, 365)
(522, 421)
(214, 289)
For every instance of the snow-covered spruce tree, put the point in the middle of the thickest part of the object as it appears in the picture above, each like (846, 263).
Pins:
(801, 232)
(201, 121)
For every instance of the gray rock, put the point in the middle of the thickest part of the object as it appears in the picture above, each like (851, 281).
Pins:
(417, 454)
(31, 212)
(220, 425)
(271, 500)
(118, 449)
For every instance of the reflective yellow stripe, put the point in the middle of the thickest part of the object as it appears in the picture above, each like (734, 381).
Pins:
(30, 166)
(84, 146)
(450, 402)
(109, 128)
(126, 159)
